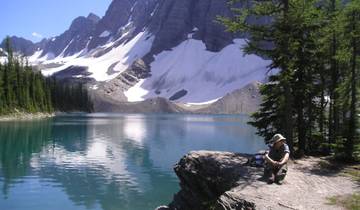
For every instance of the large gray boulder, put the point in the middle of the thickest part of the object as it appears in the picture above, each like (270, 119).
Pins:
(223, 181)
(205, 176)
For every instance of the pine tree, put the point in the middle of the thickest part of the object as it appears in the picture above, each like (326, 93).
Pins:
(332, 8)
(348, 57)
(354, 22)
(21, 88)
(277, 34)
(2, 96)
(292, 31)
(316, 50)
(8, 76)
(267, 119)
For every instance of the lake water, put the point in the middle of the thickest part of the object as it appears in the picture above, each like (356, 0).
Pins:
(107, 161)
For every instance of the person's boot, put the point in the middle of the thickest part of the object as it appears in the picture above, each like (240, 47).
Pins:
(271, 179)
(279, 179)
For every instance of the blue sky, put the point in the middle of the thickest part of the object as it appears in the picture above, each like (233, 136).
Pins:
(35, 19)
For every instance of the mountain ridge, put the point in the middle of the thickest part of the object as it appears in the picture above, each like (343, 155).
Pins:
(143, 49)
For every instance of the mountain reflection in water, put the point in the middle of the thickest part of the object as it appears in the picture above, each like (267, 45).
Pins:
(107, 161)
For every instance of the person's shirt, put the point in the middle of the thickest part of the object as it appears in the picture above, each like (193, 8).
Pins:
(278, 154)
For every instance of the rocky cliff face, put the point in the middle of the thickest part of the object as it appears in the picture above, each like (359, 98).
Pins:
(124, 17)
(169, 20)
(19, 44)
(174, 20)
(74, 40)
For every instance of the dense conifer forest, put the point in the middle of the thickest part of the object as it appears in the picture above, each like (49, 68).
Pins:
(315, 47)
(23, 89)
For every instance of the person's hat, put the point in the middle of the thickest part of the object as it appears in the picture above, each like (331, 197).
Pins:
(276, 138)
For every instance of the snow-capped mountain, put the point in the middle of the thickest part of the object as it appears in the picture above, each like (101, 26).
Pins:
(144, 49)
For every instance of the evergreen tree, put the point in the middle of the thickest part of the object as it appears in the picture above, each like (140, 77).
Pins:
(354, 28)
(23, 89)
(348, 58)
(2, 96)
(8, 76)
(309, 100)
(292, 32)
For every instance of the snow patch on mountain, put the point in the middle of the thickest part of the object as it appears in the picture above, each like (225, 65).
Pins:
(109, 65)
(204, 75)
(67, 46)
(48, 56)
(137, 92)
(105, 34)
(153, 12)
(36, 58)
(203, 103)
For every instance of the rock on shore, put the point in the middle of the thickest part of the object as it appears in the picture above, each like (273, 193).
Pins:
(223, 181)
(25, 116)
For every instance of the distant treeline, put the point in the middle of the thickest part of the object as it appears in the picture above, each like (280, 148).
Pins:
(315, 47)
(25, 90)
(67, 97)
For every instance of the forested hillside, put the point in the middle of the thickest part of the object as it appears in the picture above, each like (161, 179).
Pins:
(25, 90)
(314, 100)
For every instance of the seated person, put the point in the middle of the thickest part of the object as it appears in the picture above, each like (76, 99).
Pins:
(276, 160)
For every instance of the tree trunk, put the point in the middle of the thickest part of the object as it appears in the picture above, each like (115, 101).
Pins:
(349, 145)
(322, 107)
(334, 107)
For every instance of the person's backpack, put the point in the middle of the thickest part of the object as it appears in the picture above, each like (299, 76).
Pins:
(257, 160)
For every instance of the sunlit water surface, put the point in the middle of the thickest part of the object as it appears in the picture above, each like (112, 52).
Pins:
(107, 161)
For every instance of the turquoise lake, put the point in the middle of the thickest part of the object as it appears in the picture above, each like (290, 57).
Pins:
(108, 161)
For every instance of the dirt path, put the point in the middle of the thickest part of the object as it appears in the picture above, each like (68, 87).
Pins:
(307, 186)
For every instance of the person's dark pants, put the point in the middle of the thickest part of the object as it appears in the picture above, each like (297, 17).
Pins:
(278, 173)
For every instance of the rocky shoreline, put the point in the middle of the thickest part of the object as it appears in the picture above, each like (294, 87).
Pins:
(224, 181)
(22, 116)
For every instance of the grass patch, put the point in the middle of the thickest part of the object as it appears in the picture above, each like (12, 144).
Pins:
(353, 172)
(327, 165)
(349, 202)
